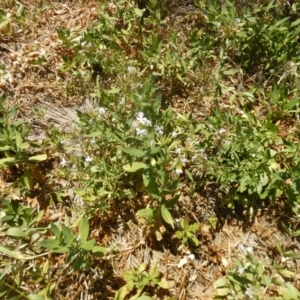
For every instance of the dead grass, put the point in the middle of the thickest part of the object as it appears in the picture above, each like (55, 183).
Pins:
(30, 84)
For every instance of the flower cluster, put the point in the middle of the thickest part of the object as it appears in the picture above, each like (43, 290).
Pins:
(140, 122)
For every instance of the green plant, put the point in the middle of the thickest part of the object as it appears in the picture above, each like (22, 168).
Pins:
(188, 232)
(253, 280)
(79, 248)
(138, 279)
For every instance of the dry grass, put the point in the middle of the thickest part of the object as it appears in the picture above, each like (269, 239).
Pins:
(39, 86)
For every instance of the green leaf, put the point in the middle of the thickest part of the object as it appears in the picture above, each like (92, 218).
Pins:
(40, 157)
(68, 234)
(54, 246)
(134, 151)
(167, 216)
(230, 72)
(27, 177)
(290, 292)
(146, 213)
(278, 281)
(37, 297)
(100, 251)
(121, 294)
(19, 139)
(7, 161)
(9, 253)
(144, 297)
(16, 232)
(135, 166)
(139, 12)
(163, 284)
(179, 234)
(56, 231)
(287, 273)
(88, 245)
(223, 292)
(291, 104)
(84, 229)
(19, 14)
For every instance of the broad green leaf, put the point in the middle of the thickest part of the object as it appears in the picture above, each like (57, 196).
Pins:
(88, 245)
(239, 279)
(152, 271)
(135, 166)
(290, 292)
(139, 12)
(167, 215)
(287, 273)
(19, 14)
(230, 72)
(37, 297)
(170, 203)
(278, 281)
(9, 253)
(8, 160)
(121, 294)
(98, 250)
(146, 213)
(54, 246)
(94, 134)
(163, 284)
(5, 148)
(194, 227)
(134, 151)
(223, 291)
(68, 234)
(144, 297)
(40, 157)
(19, 139)
(179, 234)
(291, 104)
(27, 177)
(16, 232)
(56, 231)
(84, 229)
(184, 223)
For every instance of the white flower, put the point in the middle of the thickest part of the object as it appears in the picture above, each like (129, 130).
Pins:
(135, 124)
(182, 262)
(143, 120)
(62, 141)
(249, 293)
(159, 129)
(88, 159)
(183, 160)
(131, 70)
(178, 150)
(152, 142)
(63, 162)
(102, 110)
(191, 256)
(222, 130)
(238, 20)
(141, 132)
(178, 171)
(241, 247)
(283, 259)
(240, 270)
(122, 102)
(249, 249)
(93, 141)
(194, 157)
(174, 134)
